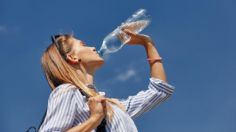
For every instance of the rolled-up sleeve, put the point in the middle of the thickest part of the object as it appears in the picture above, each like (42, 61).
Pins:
(61, 110)
(157, 92)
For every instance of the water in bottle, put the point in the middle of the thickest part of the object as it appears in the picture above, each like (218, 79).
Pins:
(115, 40)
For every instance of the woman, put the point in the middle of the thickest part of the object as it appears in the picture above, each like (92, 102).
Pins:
(75, 105)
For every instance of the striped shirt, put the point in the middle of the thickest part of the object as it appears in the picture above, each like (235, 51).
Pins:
(67, 107)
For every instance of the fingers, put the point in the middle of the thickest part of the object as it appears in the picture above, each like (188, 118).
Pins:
(101, 99)
(97, 106)
(104, 105)
(121, 36)
(129, 32)
(98, 99)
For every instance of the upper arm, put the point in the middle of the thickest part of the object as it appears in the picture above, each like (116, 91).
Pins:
(157, 92)
(61, 110)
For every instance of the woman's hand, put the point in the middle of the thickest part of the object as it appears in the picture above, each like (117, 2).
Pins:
(137, 39)
(97, 106)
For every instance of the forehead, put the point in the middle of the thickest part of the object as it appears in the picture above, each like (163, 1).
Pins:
(76, 45)
(75, 41)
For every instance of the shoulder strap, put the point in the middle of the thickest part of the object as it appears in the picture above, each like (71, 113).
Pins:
(42, 120)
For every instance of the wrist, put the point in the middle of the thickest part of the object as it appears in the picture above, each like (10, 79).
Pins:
(96, 118)
(154, 59)
(148, 43)
(152, 54)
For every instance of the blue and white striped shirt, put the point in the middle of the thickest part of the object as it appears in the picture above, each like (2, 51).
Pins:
(67, 107)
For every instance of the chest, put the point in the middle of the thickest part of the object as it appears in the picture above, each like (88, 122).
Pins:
(83, 112)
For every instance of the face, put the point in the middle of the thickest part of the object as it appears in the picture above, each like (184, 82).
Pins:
(88, 55)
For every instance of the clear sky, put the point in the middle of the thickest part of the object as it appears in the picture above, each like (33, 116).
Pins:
(196, 39)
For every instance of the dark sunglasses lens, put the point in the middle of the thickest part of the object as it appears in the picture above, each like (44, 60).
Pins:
(54, 37)
(57, 36)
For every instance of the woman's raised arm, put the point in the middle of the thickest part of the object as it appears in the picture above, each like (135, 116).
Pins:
(156, 66)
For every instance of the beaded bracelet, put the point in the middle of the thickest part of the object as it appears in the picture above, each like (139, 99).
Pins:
(159, 59)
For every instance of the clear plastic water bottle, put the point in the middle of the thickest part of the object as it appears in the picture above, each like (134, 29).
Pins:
(117, 38)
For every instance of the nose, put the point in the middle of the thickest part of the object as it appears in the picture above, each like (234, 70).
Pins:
(93, 48)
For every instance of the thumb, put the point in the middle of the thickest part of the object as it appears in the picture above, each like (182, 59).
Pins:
(104, 105)
(103, 101)
(129, 32)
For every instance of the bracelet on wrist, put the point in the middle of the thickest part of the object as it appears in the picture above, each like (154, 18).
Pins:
(156, 59)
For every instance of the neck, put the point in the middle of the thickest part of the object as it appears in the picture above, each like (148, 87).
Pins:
(89, 77)
(86, 75)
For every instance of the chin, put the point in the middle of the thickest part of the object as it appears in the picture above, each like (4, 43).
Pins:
(97, 63)
(100, 62)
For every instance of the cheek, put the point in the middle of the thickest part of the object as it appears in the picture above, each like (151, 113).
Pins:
(84, 54)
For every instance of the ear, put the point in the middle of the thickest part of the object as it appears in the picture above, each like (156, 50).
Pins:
(72, 58)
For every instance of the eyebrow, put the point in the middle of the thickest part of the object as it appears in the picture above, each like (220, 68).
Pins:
(84, 44)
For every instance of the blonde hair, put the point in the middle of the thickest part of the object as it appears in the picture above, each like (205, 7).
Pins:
(57, 71)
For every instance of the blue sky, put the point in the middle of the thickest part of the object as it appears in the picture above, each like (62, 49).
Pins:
(196, 39)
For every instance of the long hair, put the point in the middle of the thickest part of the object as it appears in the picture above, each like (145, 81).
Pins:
(57, 71)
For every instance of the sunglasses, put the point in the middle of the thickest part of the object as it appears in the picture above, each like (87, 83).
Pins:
(53, 38)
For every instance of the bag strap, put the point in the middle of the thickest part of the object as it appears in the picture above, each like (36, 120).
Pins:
(42, 120)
